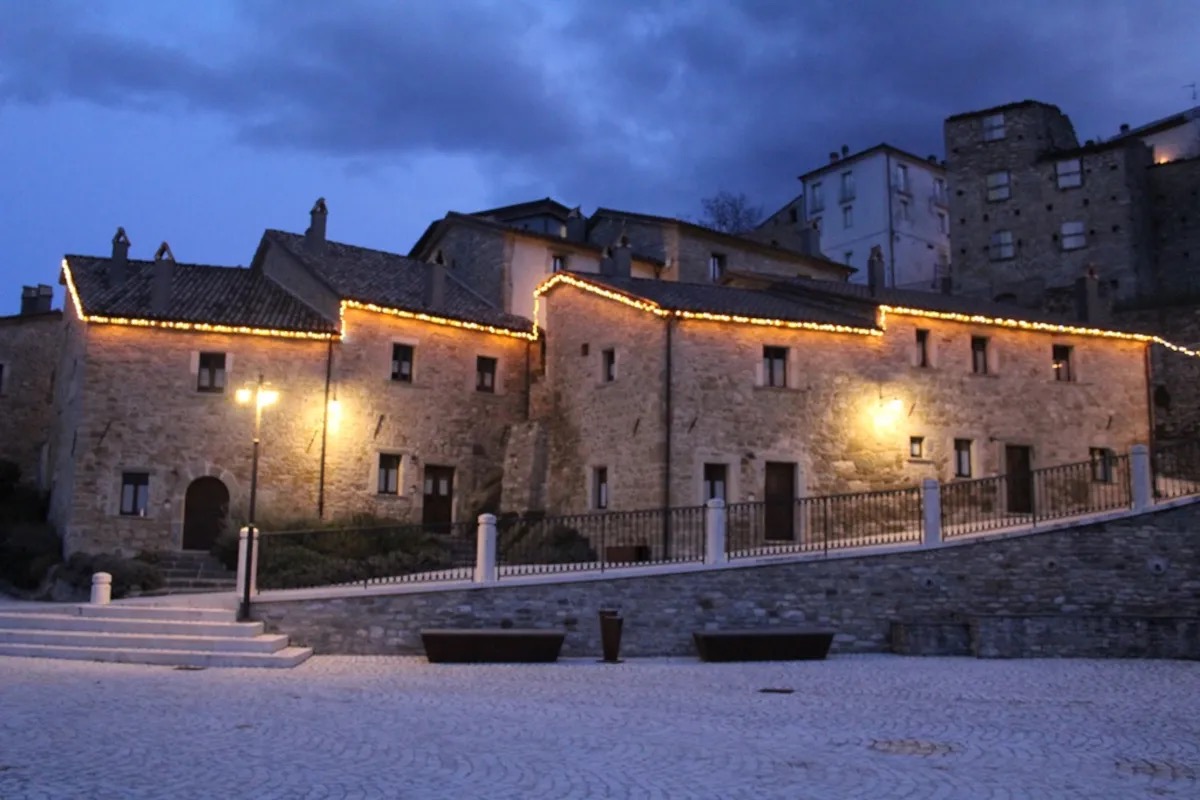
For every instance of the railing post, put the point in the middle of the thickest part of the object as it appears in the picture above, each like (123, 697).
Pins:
(1140, 478)
(931, 512)
(714, 531)
(242, 568)
(485, 550)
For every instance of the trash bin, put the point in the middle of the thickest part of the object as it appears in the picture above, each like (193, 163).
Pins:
(610, 634)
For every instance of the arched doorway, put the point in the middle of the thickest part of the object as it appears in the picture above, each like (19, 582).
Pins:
(205, 510)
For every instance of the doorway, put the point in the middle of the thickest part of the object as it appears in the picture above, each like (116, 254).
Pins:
(779, 501)
(205, 513)
(1018, 469)
(437, 511)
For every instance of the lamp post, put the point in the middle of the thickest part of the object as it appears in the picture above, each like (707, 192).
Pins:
(261, 396)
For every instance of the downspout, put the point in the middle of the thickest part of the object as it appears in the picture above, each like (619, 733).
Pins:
(324, 432)
(666, 501)
(528, 380)
(891, 265)
(1150, 411)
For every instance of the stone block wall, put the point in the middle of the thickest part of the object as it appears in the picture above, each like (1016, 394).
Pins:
(1174, 194)
(1140, 566)
(29, 348)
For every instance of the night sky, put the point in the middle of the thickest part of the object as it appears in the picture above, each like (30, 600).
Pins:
(203, 122)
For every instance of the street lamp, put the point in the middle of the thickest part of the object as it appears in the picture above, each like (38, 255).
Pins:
(261, 396)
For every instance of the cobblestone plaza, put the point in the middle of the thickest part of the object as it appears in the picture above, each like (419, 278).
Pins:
(871, 726)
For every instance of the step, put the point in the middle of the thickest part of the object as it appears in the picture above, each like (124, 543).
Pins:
(267, 643)
(164, 627)
(200, 583)
(122, 611)
(202, 572)
(285, 658)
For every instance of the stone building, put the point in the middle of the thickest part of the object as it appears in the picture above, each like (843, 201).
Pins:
(668, 394)
(396, 385)
(29, 346)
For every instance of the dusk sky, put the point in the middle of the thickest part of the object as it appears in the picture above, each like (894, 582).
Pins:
(203, 122)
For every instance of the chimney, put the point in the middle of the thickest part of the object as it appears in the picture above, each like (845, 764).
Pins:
(1089, 305)
(845, 151)
(875, 277)
(623, 259)
(314, 237)
(118, 267)
(435, 290)
(576, 226)
(28, 300)
(932, 159)
(1124, 127)
(833, 157)
(160, 287)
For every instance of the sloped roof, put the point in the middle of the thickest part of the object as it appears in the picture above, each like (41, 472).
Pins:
(391, 280)
(200, 293)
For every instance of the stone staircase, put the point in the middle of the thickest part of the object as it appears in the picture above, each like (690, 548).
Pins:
(143, 634)
(189, 571)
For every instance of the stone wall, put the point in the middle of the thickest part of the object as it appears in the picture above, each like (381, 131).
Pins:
(1175, 375)
(29, 348)
(1140, 566)
(478, 257)
(1174, 193)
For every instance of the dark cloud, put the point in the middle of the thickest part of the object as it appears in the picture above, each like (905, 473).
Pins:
(649, 104)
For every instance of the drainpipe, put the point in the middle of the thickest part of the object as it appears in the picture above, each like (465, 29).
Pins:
(324, 432)
(891, 265)
(528, 379)
(1150, 409)
(666, 501)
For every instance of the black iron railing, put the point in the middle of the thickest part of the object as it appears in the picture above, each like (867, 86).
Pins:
(980, 505)
(822, 524)
(366, 556)
(1176, 469)
(533, 544)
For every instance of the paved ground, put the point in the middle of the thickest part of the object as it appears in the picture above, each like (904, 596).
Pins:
(860, 726)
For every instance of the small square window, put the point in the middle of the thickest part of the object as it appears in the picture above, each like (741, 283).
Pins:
(608, 365)
(962, 458)
(775, 366)
(558, 263)
(916, 447)
(1069, 173)
(715, 481)
(848, 216)
(600, 488)
(1102, 460)
(485, 374)
(1060, 355)
(998, 186)
(211, 376)
(1073, 236)
(402, 363)
(389, 473)
(135, 493)
(979, 355)
(716, 267)
(1001, 247)
(993, 127)
(922, 347)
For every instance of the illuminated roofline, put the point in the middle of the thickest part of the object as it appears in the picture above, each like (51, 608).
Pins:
(435, 320)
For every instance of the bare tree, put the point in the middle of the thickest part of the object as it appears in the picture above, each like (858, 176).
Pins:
(730, 213)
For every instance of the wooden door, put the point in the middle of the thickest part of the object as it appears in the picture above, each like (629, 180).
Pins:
(779, 497)
(205, 511)
(438, 508)
(1018, 467)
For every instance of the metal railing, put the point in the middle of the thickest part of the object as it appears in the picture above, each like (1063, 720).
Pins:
(1175, 467)
(533, 544)
(377, 554)
(822, 524)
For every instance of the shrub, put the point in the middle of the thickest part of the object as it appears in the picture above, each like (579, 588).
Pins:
(537, 544)
(27, 551)
(317, 558)
(128, 575)
(225, 549)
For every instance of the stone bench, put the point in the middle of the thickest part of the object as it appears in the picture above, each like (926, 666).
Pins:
(492, 645)
(764, 644)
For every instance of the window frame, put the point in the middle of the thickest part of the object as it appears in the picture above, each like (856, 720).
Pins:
(964, 448)
(980, 356)
(1077, 236)
(139, 482)
(1002, 246)
(397, 370)
(380, 488)
(601, 496)
(608, 365)
(916, 448)
(217, 376)
(943, 222)
(772, 357)
(716, 266)
(921, 342)
(848, 191)
(816, 200)
(848, 216)
(998, 191)
(1061, 361)
(558, 263)
(902, 178)
(1060, 174)
(487, 371)
(994, 127)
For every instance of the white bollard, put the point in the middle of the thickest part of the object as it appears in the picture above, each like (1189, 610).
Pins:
(101, 589)
(485, 550)
(714, 531)
(931, 502)
(1141, 478)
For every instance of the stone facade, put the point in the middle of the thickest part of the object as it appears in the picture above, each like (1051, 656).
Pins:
(1142, 566)
(29, 347)
(1174, 193)
(845, 417)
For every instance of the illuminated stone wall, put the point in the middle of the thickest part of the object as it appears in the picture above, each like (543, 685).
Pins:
(29, 347)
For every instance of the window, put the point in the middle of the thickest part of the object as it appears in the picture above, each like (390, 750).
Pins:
(389, 473)
(922, 347)
(848, 255)
(979, 355)
(1073, 236)
(993, 127)
(775, 366)
(847, 216)
(714, 481)
(847, 187)
(1069, 173)
(939, 191)
(485, 374)
(902, 178)
(916, 447)
(600, 488)
(1001, 247)
(402, 363)
(998, 187)
(1, 379)
(211, 377)
(1102, 464)
(816, 199)
(1060, 355)
(943, 223)
(716, 267)
(558, 263)
(792, 215)
(135, 493)
(608, 365)
(905, 216)
(962, 458)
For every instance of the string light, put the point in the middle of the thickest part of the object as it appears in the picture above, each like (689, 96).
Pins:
(421, 316)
